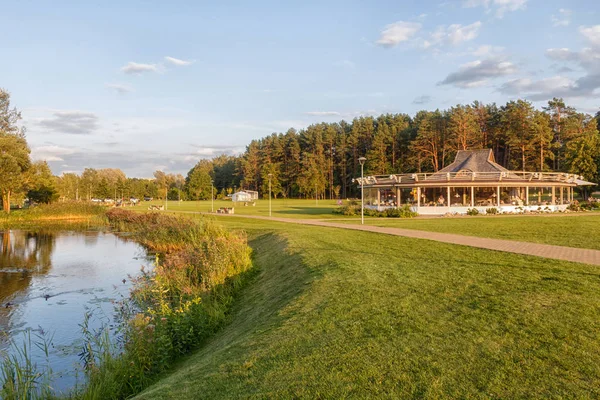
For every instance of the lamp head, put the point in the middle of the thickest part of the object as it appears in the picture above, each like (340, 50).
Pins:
(362, 160)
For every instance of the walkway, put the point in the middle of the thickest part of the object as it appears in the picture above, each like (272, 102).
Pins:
(586, 256)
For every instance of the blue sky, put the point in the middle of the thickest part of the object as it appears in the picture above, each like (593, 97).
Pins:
(158, 85)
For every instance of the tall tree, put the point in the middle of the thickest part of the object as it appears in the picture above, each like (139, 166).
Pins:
(558, 112)
(463, 128)
(518, 122)
(583, 152)
(14, 152)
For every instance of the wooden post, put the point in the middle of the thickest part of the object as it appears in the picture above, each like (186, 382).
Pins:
(498, 195)
(378, 198)
(418, 197)
(553, 195)
(561, 195)
(527, 195)
(472, 196)
(539, 196)
(464, 196)
(448, 194)
(398, 197)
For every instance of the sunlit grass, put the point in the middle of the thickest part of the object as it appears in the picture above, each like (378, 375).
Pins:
(338, 314)
(582, 231)
(293, 208)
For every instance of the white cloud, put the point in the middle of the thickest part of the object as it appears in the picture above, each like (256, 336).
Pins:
(136, 68)
(501, 6)
(562, 19)
(592, 34)
(398, 32)
(541, 89)
(120, 88)
(453, 34)
(486, 50)
(477, 73)
(509, 5)
(476, 3)
(50, 152)
(74, 122)
(177, 61)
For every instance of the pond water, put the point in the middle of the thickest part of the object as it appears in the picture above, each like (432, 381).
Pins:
(50, 280)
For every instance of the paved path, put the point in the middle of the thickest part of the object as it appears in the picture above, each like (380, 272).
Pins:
(586, 256)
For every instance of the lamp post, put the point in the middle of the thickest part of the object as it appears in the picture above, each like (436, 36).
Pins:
(270, 176)
(362, 160)
(212, 196)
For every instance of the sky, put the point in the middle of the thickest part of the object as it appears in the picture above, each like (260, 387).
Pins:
(159, 85)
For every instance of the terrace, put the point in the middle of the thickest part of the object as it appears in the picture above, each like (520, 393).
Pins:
(473, 180)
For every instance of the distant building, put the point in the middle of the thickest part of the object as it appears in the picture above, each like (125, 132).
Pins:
(253, 194)
(242, 196)
(473, 180)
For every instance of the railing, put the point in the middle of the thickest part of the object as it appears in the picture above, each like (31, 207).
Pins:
(463, 177)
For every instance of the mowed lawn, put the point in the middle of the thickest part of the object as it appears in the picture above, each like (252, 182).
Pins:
(581, 230)
(293, 208)
(336, 313)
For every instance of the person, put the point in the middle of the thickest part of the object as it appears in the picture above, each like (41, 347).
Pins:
(441, 200)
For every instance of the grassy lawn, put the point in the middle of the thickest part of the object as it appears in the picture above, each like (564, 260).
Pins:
(293, 208)
(581, 231)
(335, 314)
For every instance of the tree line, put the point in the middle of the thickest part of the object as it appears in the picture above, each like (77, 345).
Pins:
(322, 159)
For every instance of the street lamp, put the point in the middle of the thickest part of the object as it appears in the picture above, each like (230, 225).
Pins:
(212, 196)
(270, 176)
(362, 160)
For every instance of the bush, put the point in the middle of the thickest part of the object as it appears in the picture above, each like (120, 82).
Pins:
(353, 208)
(472, 211)
(491, 211)
(174, 308)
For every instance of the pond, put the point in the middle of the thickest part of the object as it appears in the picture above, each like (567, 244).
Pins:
(50, 280)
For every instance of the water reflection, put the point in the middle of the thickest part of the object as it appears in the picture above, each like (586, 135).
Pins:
(49, 280)
(23, 254)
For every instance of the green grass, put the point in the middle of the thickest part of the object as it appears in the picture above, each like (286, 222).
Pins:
(293, 208)
(336, 314)
(581, 231)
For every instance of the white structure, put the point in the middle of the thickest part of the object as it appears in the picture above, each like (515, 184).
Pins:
(473, 181)
(253, 194)
(241, 196)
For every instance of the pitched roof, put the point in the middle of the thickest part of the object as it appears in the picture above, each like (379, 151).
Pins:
(474, 161)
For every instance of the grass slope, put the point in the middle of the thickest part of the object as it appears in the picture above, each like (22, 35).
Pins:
(336, 313)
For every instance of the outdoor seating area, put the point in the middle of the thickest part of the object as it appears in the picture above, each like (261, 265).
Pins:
(473, 180)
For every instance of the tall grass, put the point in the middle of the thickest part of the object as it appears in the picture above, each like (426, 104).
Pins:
(20, 377)
(173, 308)
(73, 211)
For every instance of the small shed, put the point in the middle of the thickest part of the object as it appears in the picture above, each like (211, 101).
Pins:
(253, 194)
(241, 196)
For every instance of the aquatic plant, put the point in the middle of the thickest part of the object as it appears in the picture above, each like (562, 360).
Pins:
(173, 308)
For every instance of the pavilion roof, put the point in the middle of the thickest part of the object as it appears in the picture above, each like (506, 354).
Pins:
(474, 161)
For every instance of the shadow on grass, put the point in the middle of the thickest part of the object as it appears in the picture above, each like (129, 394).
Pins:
(280, 277)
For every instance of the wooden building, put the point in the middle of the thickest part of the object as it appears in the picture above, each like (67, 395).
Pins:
(473, 180)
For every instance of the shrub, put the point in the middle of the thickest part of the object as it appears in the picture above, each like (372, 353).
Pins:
(472, 211)
(173, 308)
(491, 211)
(574, 206)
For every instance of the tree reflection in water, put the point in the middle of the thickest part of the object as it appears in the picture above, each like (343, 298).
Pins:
(23, 255)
